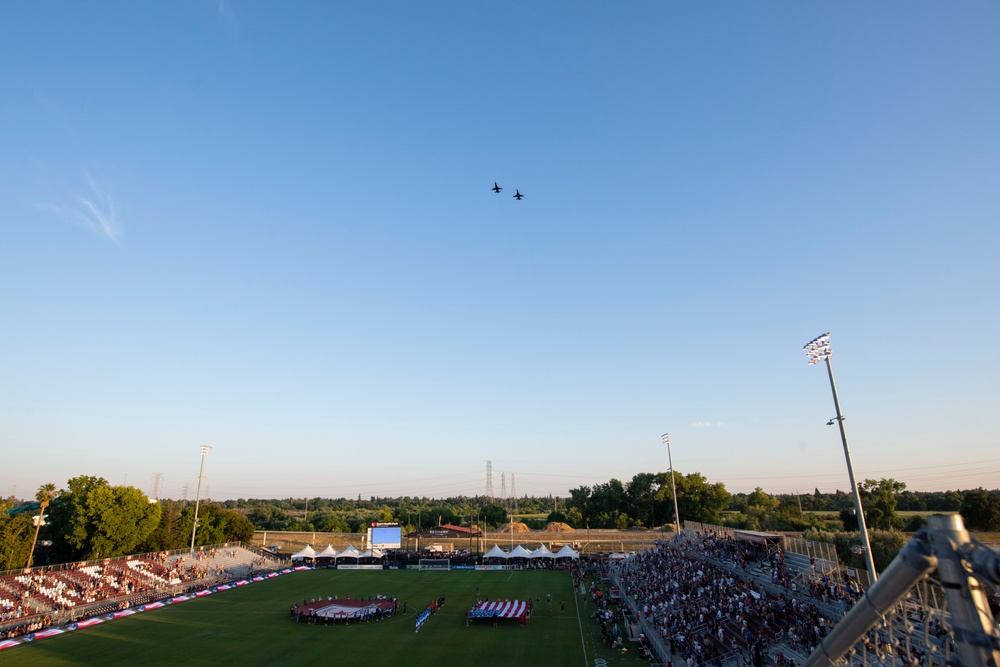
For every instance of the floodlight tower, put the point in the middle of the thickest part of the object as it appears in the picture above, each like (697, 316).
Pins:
(819, 349)
(673, 487)
(205, 449)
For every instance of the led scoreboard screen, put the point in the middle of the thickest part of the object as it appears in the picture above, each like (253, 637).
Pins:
(385, 536)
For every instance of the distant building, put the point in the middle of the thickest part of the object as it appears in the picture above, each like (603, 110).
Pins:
(447, 538)
(447, 532)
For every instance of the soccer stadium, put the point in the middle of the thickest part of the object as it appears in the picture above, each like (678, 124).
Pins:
(705, 596)
(279, 277)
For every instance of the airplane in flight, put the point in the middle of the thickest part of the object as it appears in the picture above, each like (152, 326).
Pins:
(496, 188)
(518, 195)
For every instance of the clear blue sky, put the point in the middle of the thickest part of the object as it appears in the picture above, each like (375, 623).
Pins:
(268, 227)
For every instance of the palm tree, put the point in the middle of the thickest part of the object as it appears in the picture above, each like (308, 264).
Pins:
(46, 494)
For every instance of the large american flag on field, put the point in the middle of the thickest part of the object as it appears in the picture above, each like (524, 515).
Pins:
(505, 609)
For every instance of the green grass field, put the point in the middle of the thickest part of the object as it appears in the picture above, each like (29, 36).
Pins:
(251, 626)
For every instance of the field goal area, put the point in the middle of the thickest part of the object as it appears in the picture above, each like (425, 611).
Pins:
(434, 564)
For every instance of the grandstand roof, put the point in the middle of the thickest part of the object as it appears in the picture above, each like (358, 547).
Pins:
(461, 529)
(27, 507)
(755, 536)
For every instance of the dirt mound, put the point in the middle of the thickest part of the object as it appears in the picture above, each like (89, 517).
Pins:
(558, 527)
(516, 527)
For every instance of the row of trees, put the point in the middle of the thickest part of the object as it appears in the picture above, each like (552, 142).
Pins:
(882, 500)
(644, 501)
(647, 500)
(346, 517)
(906, 500)
(92, 519)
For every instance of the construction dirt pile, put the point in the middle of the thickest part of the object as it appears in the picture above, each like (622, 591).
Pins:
(518, 527)
(558, 527)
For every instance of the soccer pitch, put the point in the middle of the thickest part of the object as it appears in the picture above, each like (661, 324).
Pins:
(251, 625)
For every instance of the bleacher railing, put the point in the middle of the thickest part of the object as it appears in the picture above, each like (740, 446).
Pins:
(906, 617)
(76, 565)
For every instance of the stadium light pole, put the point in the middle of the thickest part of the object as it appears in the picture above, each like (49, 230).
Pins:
(819, 349)
(205, 449)
(673, 487)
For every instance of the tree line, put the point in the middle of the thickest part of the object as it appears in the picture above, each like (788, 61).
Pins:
(91, 518)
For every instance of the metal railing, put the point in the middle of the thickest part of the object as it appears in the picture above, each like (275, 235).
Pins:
(903, 617)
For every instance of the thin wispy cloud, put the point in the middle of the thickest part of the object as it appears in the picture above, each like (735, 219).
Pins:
(94, 211)
(226, 14)
(707, 424)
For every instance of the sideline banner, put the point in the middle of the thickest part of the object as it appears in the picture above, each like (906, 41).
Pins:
(51, 632)
(491, 568)
(359, 567)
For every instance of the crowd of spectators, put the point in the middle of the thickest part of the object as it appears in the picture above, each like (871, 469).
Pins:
(38, 595)
(708, 595)
(30, 600)
(827, 590)
(614, 618)
(10, 609)
(703, 610)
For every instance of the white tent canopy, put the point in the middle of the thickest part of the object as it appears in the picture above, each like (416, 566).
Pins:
(349, 552)
(519, 552)
(495, 552)
(327, 553)
(308, 552)
(542, 552)
(567, 552)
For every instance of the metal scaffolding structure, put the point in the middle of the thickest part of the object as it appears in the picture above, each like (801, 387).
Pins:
(905, 614)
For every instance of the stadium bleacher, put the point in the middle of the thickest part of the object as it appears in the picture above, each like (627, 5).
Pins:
(34, 599)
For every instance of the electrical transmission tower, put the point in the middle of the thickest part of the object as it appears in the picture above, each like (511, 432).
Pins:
(513, 493)
(156, 485)
(489, 481)
(503, 488)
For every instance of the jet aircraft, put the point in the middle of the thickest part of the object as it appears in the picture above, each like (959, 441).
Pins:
(518, 195)
(496, 188)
